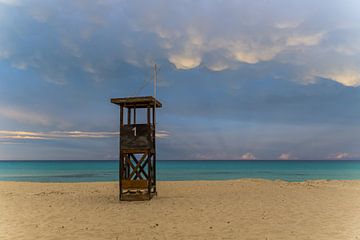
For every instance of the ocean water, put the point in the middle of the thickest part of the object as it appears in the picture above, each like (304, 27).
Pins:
(90, 171)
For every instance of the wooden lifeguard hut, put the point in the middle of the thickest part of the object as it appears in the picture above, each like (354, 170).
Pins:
(137, 158)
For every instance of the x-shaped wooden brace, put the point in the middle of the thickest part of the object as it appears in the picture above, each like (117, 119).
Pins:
(139, 168)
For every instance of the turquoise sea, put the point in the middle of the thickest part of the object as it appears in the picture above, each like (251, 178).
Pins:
(89, 171)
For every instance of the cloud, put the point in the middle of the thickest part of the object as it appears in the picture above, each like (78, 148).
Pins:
(8, 143)
(253, 57)
(6, 134)
(287, 24)
(4, 53)
(89, 68)
(55, 78)
(217, 66)
(188, 35)
(10, 2)
(162, 134)
(286, 156)
(347, 77)
(184, 62)
(20, 65)
(248, 156)
(213, 155)
(339, 156)
(9, 134)
(305, 40)
(245, 67)
(22, 115)
(40, 14)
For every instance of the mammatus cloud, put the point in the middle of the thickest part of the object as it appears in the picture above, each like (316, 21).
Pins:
(184, 62)
(248, 156)
(279, 35)
(348, 77)
(188, 35)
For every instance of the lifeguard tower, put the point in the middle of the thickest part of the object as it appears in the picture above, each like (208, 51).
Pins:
(137, 158)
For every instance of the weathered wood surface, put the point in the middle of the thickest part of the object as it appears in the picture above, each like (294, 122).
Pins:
(138, 184)
(136, 136)
(136, 197)
(137, 175)
(139, 169)
(138, 102)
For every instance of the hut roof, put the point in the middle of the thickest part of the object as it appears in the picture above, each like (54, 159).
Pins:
(137, 102)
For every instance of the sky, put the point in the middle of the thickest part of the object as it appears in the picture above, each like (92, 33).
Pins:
(238, 79)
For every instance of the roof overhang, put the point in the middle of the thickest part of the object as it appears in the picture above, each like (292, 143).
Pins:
(137, 102)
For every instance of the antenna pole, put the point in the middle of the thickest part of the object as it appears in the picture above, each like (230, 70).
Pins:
(154, 119)
(155, 76)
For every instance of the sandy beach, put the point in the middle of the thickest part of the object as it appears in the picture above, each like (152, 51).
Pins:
(236, 209)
